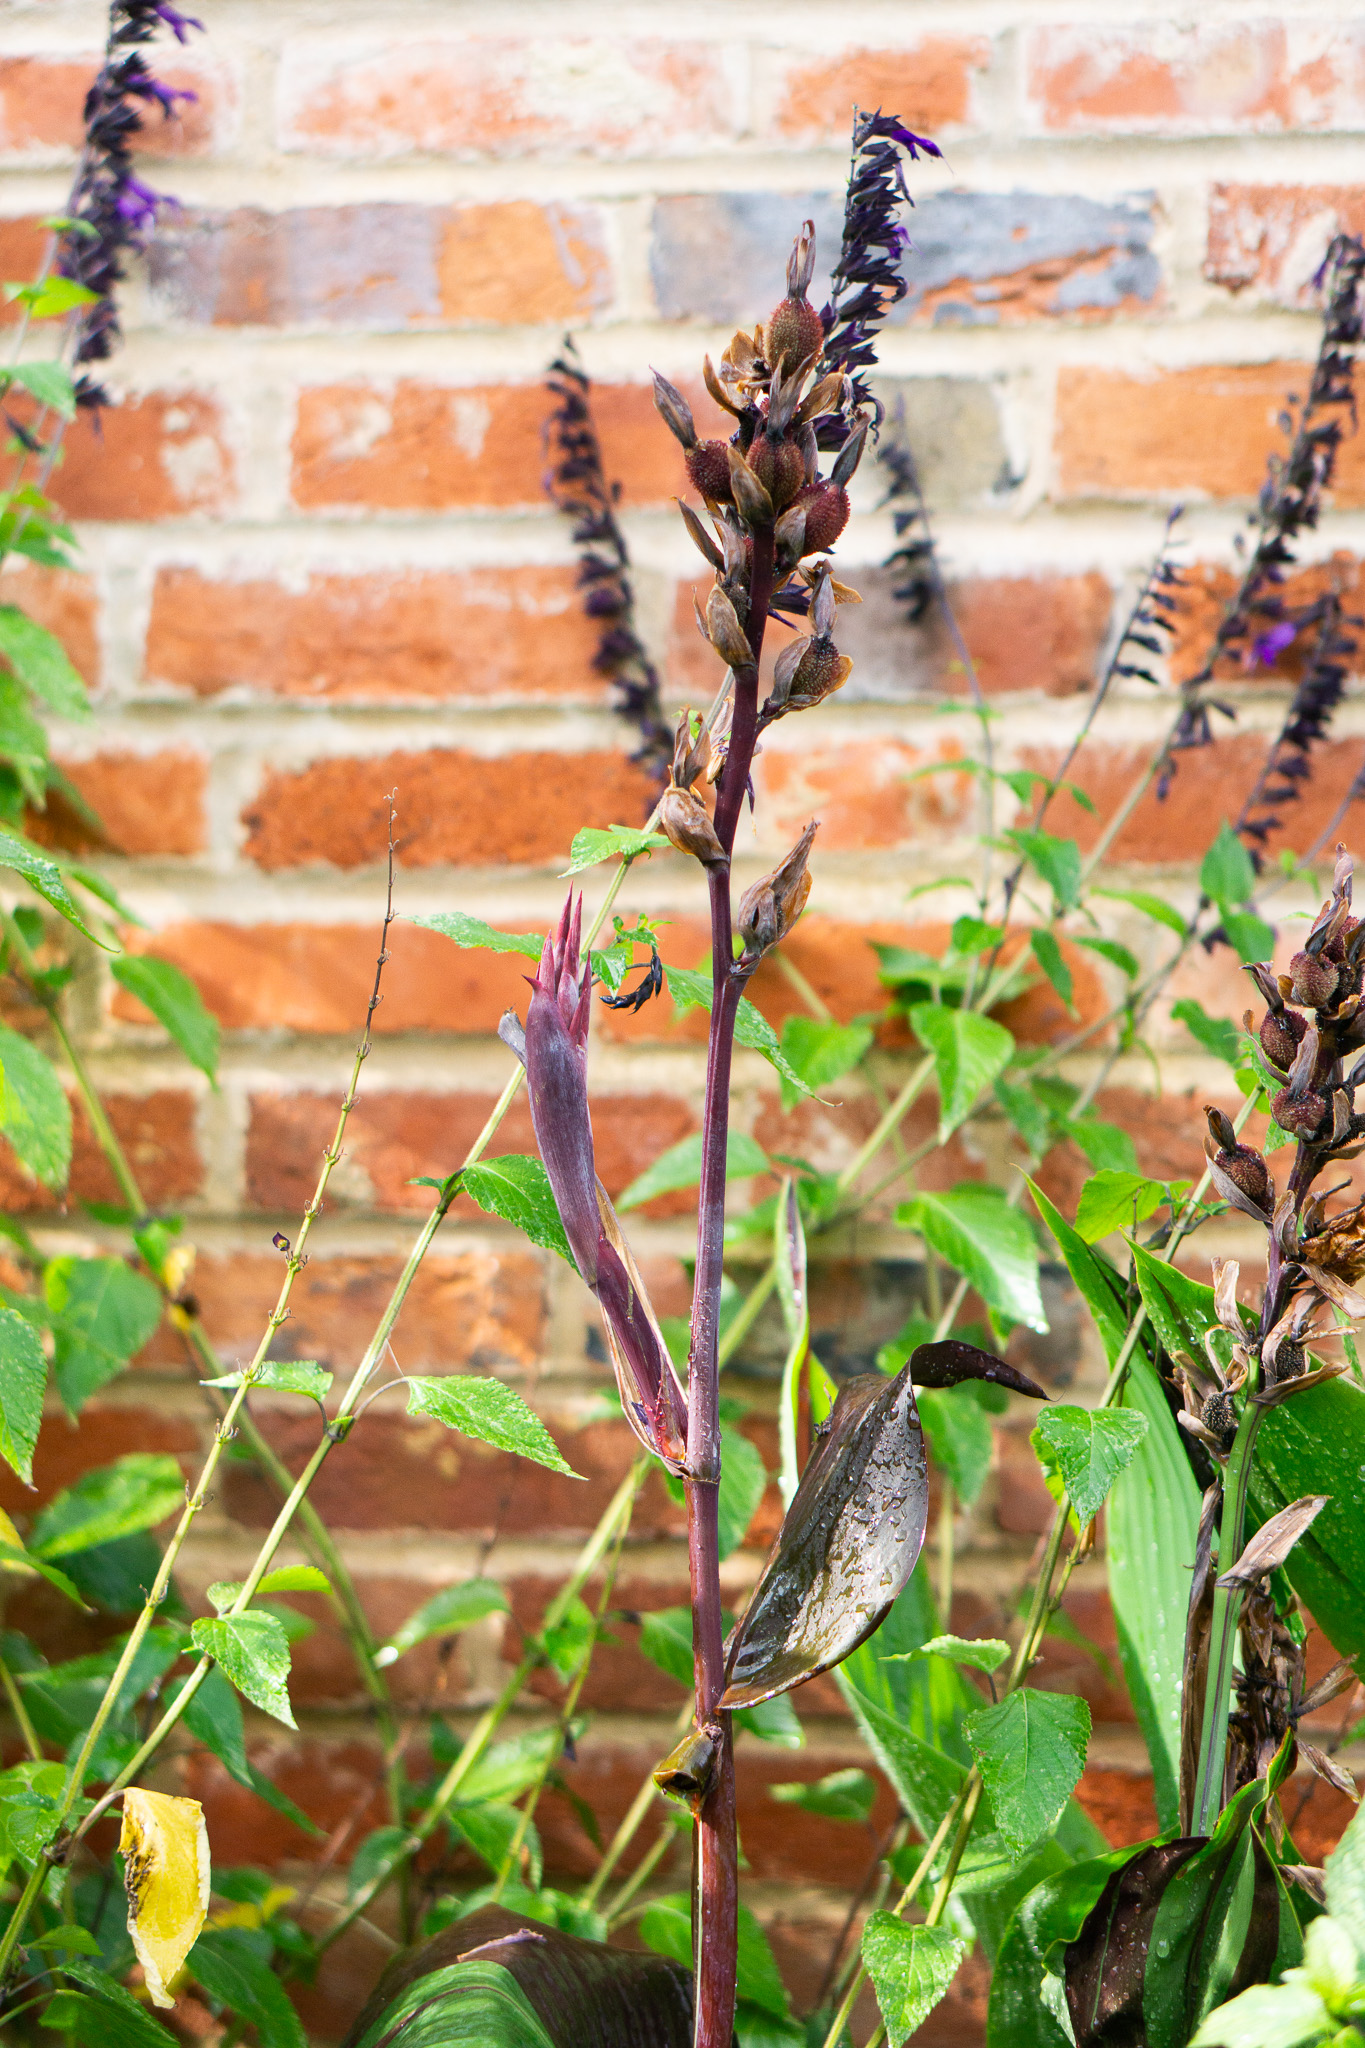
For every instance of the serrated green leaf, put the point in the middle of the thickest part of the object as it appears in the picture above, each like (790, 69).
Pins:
(231, 1969)
(1029, 1116)
(51, 298)
(46, 879)
(517, 1188)
(1250, 937)
(472, 932)
(1049, 956)
(680, 1167)
(134, 1493)
(490, 1411)
(50, 383)
(978, 1653)
(252, 1650)
(1112, 1201)
(970, 1053)
(1151, 906)
(1107, 1146)
(1030, 1751)
(1088, 1448)
(1226, 874)
(1216, 1034)
(821, 1051)
(282, 1376)
(23, 741)
(843, 1795)
(35, 1114)
(691, 990)
(103, 1313)
(446, 1613)
(1110, 950)
(743, 1482)
(1056, 861)
(911, 1969)
(990, 1244)
(176, 1004)
(23, 1382)
(609, 842)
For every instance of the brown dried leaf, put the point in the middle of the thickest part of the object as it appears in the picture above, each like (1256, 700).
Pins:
(1271, 1545)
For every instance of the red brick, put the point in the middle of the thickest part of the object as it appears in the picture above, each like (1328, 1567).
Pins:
(41, 98)
(1274, 237)
(1211, 783)
(383, 264)
(1207, 588)
(318, 978)
(146, 804)
(415, 447)
(501, 96)
(23, 244)
(929, 84)
(457, 809)
(1122, 1804)
(64, 601)
(498, 635)
(468, 1309)
(1246, 77)
(68, 1449)
(401, 1133)
(861, 792)
(329, 1780)
(157, 1132)
(1206, 430)
(159, 456)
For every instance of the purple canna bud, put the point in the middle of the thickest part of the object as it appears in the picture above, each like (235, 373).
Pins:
(674, 411)
(556, 1073)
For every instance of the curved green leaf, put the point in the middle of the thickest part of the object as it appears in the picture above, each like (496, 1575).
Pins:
(990, 1244)
(135, 1492)
(970, 1053)
(493, 1413)
(35, 1114)
(253, 1650)
(23, 1381)
(517, 1188)
(176, 1003)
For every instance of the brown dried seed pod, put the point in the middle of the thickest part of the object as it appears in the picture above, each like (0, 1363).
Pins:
(687, 825)
(1281, 1037)
(826, 509)
(1313, 982)
(1302, 1117)
(674, 411)
(769, 909)
(724, 631)
(708, 468)
(780, 467)
(751, 497)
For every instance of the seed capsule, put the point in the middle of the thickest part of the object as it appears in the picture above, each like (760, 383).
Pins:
(771, 907)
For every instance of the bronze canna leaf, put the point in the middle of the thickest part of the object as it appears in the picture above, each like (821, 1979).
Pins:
(948, 1363)
(846, 1548)
(1271, 1545)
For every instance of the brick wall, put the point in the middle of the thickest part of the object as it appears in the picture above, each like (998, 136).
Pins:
(318, 566)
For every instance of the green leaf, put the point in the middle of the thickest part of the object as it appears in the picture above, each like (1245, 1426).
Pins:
(1345, 1870)
(253, 1652)
(1150, 906)
(34, 1112)
(666, 1927)
(135, 1492)
(821, 1051)
(75, 1940)
(911, 1969)
(23, 1381)
(23, 741)
(610, 842)
(1088, 1448)
(691, 990)
(1050, 958)
(980, 1653)
(1320, 1431)
(44, 877)
(446, 1613)
(666, 1639)
(1056, 861)
(104, 1314)
(471, 2004)
(1250, 937)
(1107, 1146)
(517, 1188)
(1115, 1201)
(18, 1555)
(1269, 2016)
(743, 1482)
(50, 383)
(973, 935)
(1226, 874)
(473, 932)
(1030, 1750)
(102, 2014)
(51, 298)
(490, 1411)
(214, 1717)
(1216, 1034)
(1117, 955)
(680, 1167)
(1029, 1116)
(990, 1244)
(176, 1004)
(773, 1721)
(843, 1795)
(957, 1430)
(970, 1053)
(1027, 2000)
(282, 1376)
(231, 1970)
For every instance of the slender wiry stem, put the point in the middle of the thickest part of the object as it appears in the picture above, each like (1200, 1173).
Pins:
(630, 1826)
(20, 1713)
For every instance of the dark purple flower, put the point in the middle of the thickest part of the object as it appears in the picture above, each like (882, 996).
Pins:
(138, 205)
(180, 24)
(1269, 646)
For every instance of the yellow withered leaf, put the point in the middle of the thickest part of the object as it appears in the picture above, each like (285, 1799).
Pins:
(166, 1870)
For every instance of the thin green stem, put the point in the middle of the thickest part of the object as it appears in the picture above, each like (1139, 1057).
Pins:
(906, 1899)
(630, 1824)
(886, 1124)
(1227, 1605)
(20, 1713)
(644, 1870)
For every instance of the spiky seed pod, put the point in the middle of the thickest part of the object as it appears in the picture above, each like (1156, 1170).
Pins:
(1302, 1117)
(1312, 982)
(687, 825)
(780, 467)
(708, 469)
(771, 907)
(724, 631)
(1219, 1417)
(674, 411)
(826, 509)
(750, 495)
(1281, 1037)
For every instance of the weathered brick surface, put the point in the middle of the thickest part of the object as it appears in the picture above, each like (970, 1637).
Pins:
(41, 96)
(145, 804)
(156, 1130)
(478, 635)
(1274, 237)
(157, 455)
(1259, 76)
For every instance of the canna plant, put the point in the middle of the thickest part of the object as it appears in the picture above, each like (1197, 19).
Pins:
(1244, 1498)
